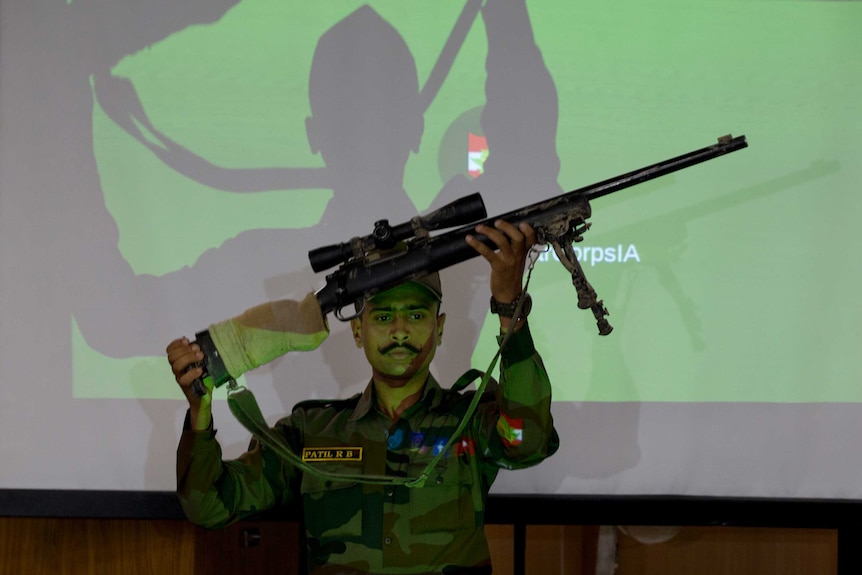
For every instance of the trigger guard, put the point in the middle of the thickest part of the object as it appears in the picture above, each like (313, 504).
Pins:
(359, 306)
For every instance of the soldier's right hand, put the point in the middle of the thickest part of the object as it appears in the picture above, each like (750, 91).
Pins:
(183, 355)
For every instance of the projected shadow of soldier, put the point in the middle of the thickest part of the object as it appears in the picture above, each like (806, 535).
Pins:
(365, 153)
(519, 121)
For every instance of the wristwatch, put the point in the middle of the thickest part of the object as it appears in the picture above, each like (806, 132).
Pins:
(508, 309)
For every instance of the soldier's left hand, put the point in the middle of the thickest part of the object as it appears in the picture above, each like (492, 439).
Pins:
(508, 260)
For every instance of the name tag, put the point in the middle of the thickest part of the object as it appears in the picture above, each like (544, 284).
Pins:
(332, 454)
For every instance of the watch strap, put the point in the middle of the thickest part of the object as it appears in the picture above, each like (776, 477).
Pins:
(508, 309)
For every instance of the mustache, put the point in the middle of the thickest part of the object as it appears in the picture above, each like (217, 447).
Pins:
(406, 346)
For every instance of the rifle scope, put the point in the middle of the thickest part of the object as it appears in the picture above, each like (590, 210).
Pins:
(460, 212)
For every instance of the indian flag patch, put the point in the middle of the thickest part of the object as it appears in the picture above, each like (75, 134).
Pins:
(511, 430)
(477, 153)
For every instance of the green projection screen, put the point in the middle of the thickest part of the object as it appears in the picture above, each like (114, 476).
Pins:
(166, 165)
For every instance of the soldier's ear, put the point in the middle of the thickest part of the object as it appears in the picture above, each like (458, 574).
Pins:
(441, 319)
(356, 328)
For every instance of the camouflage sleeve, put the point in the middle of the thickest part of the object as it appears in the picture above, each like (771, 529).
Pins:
(214, 493)
(517, 428)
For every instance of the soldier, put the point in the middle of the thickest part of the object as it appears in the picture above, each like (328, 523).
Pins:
(400, 423)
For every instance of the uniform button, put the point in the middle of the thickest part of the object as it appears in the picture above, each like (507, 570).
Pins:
(439, 480)
(388, 540)
(390, 492)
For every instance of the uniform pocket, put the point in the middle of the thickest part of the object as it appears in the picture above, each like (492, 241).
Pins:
(445, 502)
(332, 507)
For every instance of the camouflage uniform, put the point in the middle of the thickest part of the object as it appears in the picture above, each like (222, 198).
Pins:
(359, 528)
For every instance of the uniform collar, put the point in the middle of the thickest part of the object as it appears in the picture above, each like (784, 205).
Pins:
(432, 396)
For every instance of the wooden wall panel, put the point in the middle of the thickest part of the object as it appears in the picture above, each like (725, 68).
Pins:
(249, 548)
(36, 546)
(561, 549)
(501, 541)
(733, 551)
(33, 546)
